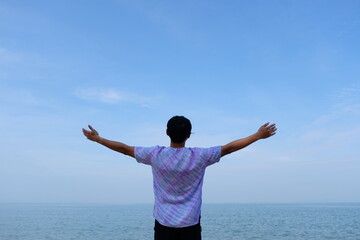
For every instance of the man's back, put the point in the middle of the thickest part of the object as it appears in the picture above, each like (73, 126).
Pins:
(178, 178)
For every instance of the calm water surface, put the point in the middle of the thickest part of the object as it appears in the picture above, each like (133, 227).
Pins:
(219, 221)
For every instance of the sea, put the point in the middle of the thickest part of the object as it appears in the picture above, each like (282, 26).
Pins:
(306, 221)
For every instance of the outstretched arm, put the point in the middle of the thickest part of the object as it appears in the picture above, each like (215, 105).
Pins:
(93, 135)
(264, 131)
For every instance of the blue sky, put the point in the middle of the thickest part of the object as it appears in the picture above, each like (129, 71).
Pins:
(126, 67)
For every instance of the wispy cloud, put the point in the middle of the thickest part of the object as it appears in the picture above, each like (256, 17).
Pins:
(343, 108)
(21, 59)
(7, 56)
(348, 101)
(349, 27)
(112, 96)
(346, 104)
(19, 96)
(168, 16)
(332, 135)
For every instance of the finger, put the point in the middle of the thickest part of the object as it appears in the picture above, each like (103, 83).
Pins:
(91, 127)
(265, 124)
(271, 128)
(268, 128)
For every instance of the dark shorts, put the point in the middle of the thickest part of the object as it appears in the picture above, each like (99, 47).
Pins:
(168, 233)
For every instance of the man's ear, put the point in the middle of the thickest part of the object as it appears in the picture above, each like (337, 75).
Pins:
(167, 132)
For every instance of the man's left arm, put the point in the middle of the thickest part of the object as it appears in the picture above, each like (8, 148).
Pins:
(265, 131)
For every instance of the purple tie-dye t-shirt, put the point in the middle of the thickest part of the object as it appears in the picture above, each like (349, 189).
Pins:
(178, 175)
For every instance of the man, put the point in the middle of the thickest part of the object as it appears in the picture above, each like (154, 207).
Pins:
(178, 174)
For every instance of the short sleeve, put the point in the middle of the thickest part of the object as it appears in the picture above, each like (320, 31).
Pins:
(145, 154)
(212, 155)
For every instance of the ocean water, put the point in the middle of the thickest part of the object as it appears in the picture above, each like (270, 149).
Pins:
(219, 221)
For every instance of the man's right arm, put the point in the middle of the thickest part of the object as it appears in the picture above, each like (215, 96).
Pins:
(264, 131)
(93, 135)
(117, 146)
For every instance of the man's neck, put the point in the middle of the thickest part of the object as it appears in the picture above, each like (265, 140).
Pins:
(177, 145)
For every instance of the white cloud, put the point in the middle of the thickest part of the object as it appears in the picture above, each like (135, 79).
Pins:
(21, 96)
(312, 135)
(346, 104)
(332, 135)
(349, 101)
(111, 96)
(167, 16)
(103, 95)
(7, 56)
(343, 108)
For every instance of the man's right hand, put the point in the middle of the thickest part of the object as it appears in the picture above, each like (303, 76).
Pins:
(92, 135)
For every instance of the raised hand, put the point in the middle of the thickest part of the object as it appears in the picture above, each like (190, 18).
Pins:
(92, 135)
(267, 130)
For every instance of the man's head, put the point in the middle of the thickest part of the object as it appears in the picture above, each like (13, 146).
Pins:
(178, 129)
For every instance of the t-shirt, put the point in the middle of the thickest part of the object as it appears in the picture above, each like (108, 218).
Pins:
(178, 175)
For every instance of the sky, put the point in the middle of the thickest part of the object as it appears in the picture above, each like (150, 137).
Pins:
(127, 66)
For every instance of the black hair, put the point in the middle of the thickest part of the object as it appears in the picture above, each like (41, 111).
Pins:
(178, 129)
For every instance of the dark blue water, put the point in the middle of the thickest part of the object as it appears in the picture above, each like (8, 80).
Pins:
(219, 221)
